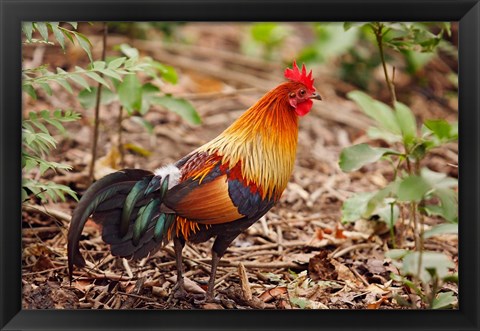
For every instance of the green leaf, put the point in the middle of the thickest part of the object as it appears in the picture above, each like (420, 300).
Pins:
(148, 91)
(332, 41)
(374, 132)
(116, 63)
(449, 204)
(42, 28)
(111, 73)
(438, 180)
(99, 65)
(63, 83)
(144, 123)
(444, 300)
(87, 98)
(413, 188)
(168, 73)
(97, 78)
(69, 35)
(406, 121)
(380, 197)
(268, 33)
(74, 24)
(27, 88)
(442, 188)
(377, 110)
(27, 28)
(441, 229)
(355, 157)
(58, 34)
(356, 206)
(52, 190)
(45, 87)
(179, 106)
(442, 129)
(385, 214)
(419, 151)
(40, 126)
(299, 302)
(347, 26)
(85, 43)
(130, 93)
(439, 263)
(451, 278)
(416, 60)
(79, 80)
(396, 254)
(53, 122)
(129, 51)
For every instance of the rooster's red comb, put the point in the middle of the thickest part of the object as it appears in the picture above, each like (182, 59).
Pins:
(295, 75)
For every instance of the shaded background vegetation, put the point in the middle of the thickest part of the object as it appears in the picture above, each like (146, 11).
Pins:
(369, 219)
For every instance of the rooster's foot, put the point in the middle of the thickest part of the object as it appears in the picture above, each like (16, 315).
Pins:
(207, 298)
(178, 293)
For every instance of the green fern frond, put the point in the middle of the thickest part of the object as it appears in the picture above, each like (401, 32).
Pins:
(45, 190)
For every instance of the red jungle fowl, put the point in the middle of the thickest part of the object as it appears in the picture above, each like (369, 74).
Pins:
(218, 190)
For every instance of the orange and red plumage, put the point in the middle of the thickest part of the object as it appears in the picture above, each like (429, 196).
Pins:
(222, 187)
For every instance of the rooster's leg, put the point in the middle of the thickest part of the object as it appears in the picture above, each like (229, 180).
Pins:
(219, 247)
(211, 282)
(179, 290)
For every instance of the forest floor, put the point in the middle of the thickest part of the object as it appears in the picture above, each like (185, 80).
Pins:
(300, 255)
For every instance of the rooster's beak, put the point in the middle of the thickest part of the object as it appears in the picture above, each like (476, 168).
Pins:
(315, 96)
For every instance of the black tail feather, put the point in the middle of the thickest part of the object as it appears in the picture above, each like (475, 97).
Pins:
(104, 194)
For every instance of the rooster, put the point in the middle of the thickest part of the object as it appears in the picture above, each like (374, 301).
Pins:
(218, 190)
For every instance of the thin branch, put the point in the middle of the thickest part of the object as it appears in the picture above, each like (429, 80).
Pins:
(97, 109)
(120, 138)
(378, 30)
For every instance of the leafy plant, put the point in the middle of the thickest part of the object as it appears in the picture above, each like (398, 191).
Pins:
(265, 39)
(416, 42)
(414, 190)
(117, 79)
(411, 183)
(37, 139)
(134, 97)
(331, 41)
(59, 33)
(432, 269)
(37, 143)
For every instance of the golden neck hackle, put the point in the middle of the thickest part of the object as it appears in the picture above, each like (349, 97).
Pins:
(264, 140)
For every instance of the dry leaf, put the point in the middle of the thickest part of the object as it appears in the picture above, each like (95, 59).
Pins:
(345, 274)
(83, 285)
(376, 304)
(159, 292)
(320, 267)
(43, 263)
(319, 233)
(247, 292)
(211, 305)
(190, 285)
(327, 231)
(339, 233)
(273, 293)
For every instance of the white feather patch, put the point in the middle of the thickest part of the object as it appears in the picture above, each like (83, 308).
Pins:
(169, 169)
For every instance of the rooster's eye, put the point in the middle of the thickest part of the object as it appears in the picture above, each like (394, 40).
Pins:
(302, 92)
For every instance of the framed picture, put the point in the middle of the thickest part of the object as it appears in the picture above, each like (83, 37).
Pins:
(212, 165)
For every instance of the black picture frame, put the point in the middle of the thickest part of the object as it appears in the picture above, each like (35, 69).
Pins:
(13, 12)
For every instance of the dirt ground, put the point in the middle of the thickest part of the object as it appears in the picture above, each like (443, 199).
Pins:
(299, 255)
